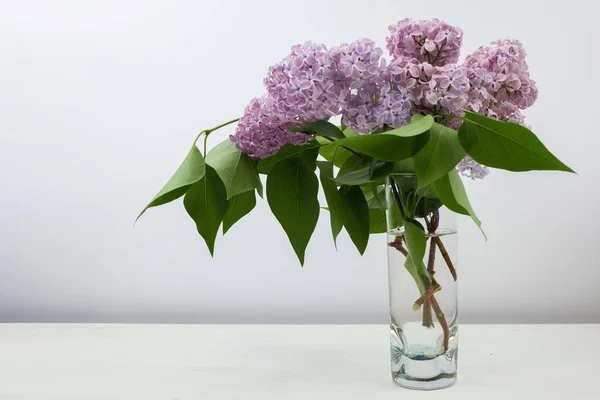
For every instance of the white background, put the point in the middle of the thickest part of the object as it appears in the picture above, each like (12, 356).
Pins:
(100, 101)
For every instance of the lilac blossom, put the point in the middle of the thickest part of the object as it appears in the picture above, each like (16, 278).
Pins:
(261, 132)
(500, 87)
(303, 85)
(472, 169)
(393, 108)
(446, 91)
(506, 111)
(314, 83)
(377, 106)
(431, 41)
(358, 63)
(499, 73)
(358, 115)
(440, 90)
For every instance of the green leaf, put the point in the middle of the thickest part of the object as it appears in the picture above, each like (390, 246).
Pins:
(236, 169)
(190, 171)
(356, 220)
(416, 242)
(418, 124)
(368, 174)
(380, 170)
(375, 196)
(358, 177)
(320, 128)
(426, 206)
(505, 145)
(451, 191)
(385, 146)
(441, 154)
(260, 189)
(308, 153)
(405, 166)
(206, 202)
(414, 272)
(239, 206)
(334, 201)
(351, 165)
(378, 221)
(395, 220)
(335, 154)
(292, 189)
(349, 132)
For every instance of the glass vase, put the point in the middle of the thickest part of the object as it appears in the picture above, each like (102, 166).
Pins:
(423, 318)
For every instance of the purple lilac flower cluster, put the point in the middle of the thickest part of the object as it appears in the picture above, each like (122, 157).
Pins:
(439, 90)
(431, 41)
(376, 106)
(314, 83)
(472, 169)
(500, 87)
(358, 64)
(260, 131)
(500, 81)
(311, 83)
(371, 104)
(303, 86)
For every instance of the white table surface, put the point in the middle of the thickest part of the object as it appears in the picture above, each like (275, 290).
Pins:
(91, 361)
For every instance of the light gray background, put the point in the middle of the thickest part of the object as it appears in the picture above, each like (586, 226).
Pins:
(100, 101)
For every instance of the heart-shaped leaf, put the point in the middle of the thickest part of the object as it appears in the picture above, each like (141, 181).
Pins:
(385, 146)
(375, 196)
(191, 170)
(451, 191)
(505, 145)
(441, 154)
(356, 220)
(416, 241)
(320, 128)
(418, 124)
(236, 169)
(206, 202)
(418, 127)
(335, 154)
(371, 173)
(292, 189)
(378, 221)
(413, 270)
(358, 177)
(334, 201)
(307, 152)
(239, 206)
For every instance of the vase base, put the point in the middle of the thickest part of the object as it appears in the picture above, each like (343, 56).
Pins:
(440, 382)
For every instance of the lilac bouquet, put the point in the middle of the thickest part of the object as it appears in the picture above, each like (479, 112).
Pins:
(422, 112)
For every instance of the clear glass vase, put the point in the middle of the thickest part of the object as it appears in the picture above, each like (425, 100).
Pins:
(423, 320)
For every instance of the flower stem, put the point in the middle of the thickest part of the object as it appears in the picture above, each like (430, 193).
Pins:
(432, 225)
(440, 245)
(397, 244)
(440, 316)
(221, 126)
(427, 319)
(428, 299)
(205, 140)
(209, 131)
